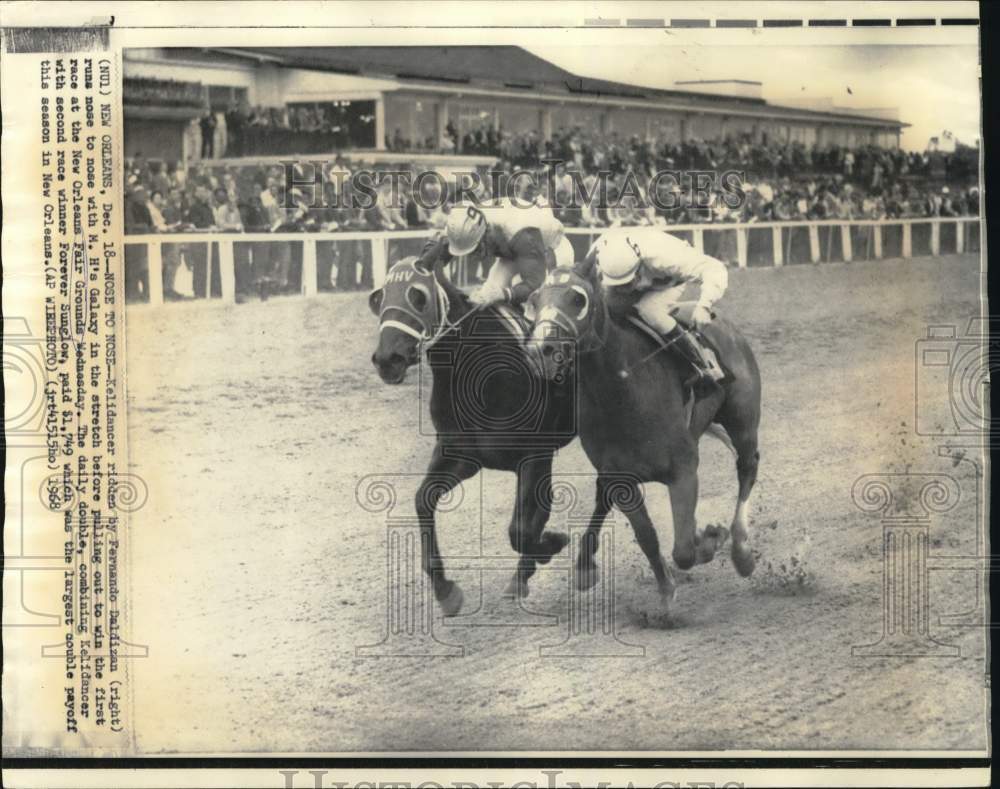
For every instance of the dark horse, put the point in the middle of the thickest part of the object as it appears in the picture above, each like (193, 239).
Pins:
(490, 407)
(637, 423)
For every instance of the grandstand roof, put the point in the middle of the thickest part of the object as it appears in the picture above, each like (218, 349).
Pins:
(509, 67)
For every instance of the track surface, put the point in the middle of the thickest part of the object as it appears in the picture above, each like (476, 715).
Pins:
(258, 574)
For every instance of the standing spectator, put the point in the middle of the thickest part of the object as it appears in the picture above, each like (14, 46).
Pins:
(207, 125)
(202, 217)
(172, 212)
(849, 164)
(137, 220)
(235, 121)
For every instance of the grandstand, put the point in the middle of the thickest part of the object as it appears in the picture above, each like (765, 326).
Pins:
(445, 101)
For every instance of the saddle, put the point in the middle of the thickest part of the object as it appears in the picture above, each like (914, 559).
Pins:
(682, 312)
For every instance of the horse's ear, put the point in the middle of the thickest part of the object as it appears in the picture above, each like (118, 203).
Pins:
(375, 301)
(587, 268)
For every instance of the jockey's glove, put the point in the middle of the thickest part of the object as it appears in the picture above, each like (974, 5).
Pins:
(489, 293)
(701, 316)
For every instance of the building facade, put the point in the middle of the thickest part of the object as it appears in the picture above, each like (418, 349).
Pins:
(428, 99)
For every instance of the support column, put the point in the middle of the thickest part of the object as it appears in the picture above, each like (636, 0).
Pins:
(591, 621)
(699, 240)
(907, 240)
(380, 257)
(935, 237)
(309, 277)
(606, 124)
(741, 247)
(778, 247)
(545, 123)
(227, 272)
(814, 243)
(154, 258)
(906, 544)
(960, 227)
(845, 243)
(878, 240)
(440, 121)
(380, 123)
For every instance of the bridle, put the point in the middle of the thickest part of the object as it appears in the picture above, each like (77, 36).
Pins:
(557, 316)
(433, 326)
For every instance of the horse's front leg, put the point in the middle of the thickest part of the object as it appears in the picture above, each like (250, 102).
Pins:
(532, 508)
(690, 547)
(586, 568)
(443, 474)
(629, 498)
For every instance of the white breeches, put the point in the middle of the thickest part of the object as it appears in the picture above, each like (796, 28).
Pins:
(655, 305)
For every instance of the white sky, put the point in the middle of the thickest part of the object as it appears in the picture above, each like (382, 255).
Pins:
(934, 87)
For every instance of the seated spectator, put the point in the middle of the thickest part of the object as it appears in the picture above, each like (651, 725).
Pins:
(227, 214)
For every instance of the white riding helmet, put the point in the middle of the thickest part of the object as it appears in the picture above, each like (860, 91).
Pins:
(618, 258)
(466, 227)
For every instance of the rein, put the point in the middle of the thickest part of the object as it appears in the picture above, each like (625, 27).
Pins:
(431, 331)
(626, 371)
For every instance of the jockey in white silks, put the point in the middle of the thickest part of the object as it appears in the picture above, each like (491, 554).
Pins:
(645, 268)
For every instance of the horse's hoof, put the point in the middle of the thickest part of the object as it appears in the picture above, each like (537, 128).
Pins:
(549, 545)
(743, 560)
(709, 541)
(716, 534)
(586, 577)
(517, 588)
(451, 603)
(668, 594)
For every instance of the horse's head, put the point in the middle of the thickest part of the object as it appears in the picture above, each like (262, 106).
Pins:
(566, 307)
(411, 307)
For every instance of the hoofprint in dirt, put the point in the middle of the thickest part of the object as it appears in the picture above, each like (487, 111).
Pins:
(257, 574)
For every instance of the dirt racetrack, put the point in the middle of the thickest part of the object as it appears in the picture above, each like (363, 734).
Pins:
(257, 573)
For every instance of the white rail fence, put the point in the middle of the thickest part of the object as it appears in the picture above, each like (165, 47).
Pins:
(227, 259)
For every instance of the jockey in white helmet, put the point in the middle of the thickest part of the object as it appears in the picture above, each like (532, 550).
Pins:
(645, 268)
(527, 240)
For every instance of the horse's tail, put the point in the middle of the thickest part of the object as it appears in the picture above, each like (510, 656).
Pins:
(719, 432)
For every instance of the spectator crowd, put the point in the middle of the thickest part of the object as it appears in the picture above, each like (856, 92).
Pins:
(780, 182)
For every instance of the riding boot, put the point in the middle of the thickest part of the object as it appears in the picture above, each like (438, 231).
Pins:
(707, 371)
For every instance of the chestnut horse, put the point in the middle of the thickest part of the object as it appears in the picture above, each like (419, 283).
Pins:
(490, 407)
(636, 421)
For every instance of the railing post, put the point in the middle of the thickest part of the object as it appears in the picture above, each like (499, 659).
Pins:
(935, 237)
(154, 257)
(845, 243)
(309, 276)
(778, 246)
(960, 226)
(227, 271)
(698, 239)
(380, 255)
(877, 230)
(741, 246)
(814, 243)
(907, 240)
